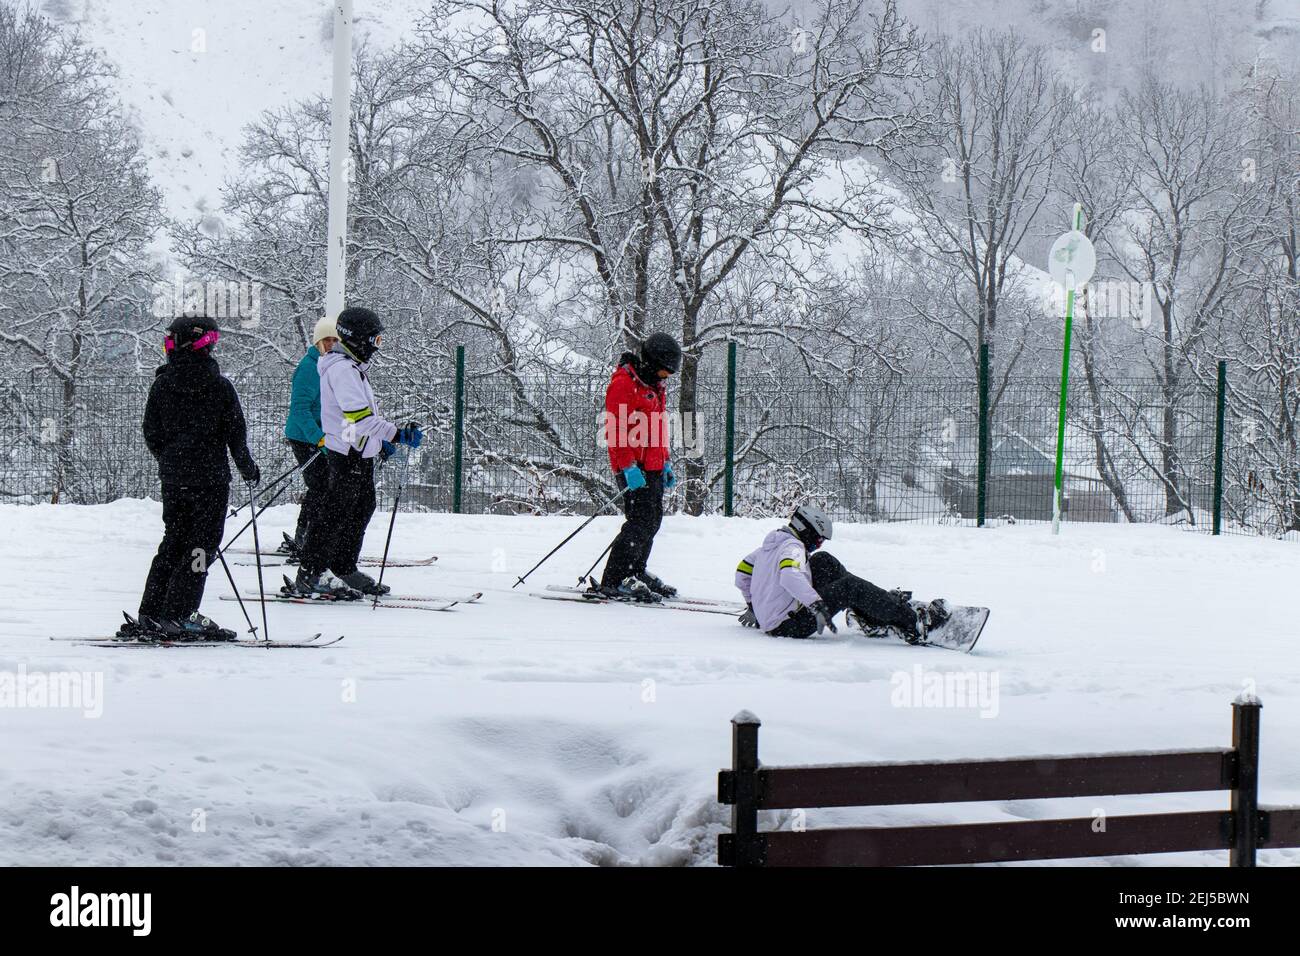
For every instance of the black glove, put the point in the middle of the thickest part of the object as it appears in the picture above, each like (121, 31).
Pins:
(748, 619)
(255, 476)
(823, 614)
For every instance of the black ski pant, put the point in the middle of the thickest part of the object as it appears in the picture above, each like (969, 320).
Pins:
(317, 477)
(193, 520)
(843, 590)
(644, 512)
(334, 542)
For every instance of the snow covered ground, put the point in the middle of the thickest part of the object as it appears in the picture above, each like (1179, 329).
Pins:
(522, 731)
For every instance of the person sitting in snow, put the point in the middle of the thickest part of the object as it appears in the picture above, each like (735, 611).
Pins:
(790, 591)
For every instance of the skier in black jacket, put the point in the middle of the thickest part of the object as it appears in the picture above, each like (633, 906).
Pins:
(191, 419)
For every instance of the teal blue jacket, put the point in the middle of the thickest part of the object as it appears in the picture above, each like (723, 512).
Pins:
(303, 423)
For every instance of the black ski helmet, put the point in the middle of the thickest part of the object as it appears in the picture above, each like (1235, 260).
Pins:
(661, 350)
(359, 330)
(191, 332)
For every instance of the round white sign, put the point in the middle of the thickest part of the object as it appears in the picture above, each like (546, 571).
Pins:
(1072, 253)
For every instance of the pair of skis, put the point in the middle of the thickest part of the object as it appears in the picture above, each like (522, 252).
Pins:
(557, 592)
(408, 602)
(158, 640)
(311, 642)
(280, 559)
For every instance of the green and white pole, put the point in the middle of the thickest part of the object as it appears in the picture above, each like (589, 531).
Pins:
(1070, 264)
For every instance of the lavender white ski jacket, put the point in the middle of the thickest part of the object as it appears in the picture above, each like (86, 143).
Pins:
(348, 412)
(775, 579)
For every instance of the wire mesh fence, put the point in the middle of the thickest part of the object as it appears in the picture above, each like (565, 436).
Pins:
(888, 450)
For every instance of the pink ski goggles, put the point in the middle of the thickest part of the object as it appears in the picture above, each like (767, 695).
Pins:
(202, 342)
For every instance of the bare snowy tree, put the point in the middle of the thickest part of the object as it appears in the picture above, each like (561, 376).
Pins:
(685, 136)
(1183, 235)
(1264, 343)
(978, 190)
(79, 215)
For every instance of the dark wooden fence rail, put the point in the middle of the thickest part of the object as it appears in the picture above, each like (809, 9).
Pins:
(1244, 828)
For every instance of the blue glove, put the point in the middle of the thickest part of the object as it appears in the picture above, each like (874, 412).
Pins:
(633, 476)
(409, 434)
(669, 478)
(387, 450)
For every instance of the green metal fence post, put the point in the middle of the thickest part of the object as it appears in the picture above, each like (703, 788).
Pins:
(458, 445)
(1218, 447)
(728, 481)
(981, 474)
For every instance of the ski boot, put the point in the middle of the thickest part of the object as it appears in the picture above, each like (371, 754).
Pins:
(631, 589)
(635, 589)
(320, 586)
(195, 627)
(656, 585)
(291, 548)
(360, 581)
(137, 629)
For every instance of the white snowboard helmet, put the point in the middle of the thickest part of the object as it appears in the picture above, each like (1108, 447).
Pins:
(811, 525)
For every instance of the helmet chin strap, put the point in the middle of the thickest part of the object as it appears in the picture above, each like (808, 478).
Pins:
(344, 346)
(808, 537)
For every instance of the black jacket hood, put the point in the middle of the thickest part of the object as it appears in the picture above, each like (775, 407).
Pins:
(189, 371)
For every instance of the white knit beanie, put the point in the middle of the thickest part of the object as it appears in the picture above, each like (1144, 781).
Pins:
(325, 329)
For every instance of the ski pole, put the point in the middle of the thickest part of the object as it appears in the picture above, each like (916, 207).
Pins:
(609, 547)
(252, 629)
(287, 474)
(392, 520)
(519, 581)
(257, 550)
(268, 504)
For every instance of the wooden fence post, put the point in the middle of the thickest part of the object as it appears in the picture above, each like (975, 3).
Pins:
(747, 845)
(1245, 795)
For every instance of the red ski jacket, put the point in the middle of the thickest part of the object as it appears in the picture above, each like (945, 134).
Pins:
(636, 421)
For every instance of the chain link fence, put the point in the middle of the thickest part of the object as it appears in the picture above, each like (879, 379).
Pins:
(889, 450)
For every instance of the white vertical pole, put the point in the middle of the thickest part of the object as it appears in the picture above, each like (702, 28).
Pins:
(1076, 225)
(341, 110)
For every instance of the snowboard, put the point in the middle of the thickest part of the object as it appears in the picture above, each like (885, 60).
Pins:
(958, 633)
(961, 630)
